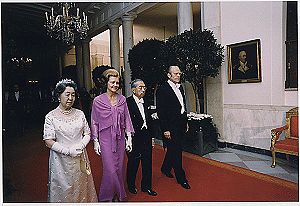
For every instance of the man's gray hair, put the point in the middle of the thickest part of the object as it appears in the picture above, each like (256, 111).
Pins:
(133, 83)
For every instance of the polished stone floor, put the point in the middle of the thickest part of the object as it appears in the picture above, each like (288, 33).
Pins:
(288, 170)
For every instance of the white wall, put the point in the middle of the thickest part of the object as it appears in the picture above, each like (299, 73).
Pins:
(243, 21)
(252, 109)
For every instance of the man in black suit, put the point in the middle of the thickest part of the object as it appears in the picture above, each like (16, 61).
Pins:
(16, 106)
(141, 141)
(173, 121)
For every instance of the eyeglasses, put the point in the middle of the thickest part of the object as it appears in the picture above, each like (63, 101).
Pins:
(142, 87)
(176, 73)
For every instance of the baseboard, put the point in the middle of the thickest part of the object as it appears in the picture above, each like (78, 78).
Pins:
(254, 150)
(244, 148)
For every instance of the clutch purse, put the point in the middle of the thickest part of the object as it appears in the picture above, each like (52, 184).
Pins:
(84, 163)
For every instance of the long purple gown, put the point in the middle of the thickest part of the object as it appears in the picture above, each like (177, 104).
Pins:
(109, 124)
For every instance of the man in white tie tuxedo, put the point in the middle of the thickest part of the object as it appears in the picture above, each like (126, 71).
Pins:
(141, 141)
(172, 115)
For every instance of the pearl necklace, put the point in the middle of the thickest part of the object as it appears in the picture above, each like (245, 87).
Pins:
(66, 112)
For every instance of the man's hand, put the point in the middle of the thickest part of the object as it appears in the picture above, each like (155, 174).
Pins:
(153, 142)
(167, 134)
(128, 145)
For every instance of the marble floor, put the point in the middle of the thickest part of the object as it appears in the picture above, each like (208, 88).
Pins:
(288, 170)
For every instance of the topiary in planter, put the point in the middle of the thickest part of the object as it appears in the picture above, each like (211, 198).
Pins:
(147, 63)
(197, 53)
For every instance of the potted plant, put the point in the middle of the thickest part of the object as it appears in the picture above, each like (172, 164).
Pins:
(147, 63)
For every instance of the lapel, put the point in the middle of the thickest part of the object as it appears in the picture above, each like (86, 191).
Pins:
(173, 95)
(135, 108)
(182, 93)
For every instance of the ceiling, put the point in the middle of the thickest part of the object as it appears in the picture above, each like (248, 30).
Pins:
(167, 9)
(30, 17)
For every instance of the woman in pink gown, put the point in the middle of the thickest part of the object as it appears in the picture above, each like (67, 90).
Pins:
(110, 121)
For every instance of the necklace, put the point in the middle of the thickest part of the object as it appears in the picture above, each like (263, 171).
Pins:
(66, 112)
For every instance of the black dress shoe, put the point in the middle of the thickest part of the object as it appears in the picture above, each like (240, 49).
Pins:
(150, 192)
(168, 174)
(185, 185)
(132, 190)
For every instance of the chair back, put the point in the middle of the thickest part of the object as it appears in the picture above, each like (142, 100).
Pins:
(292, 124)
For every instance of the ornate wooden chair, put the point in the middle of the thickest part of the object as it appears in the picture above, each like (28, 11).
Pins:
(290, 144)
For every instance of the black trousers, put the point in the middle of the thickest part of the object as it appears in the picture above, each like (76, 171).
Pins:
(173, 157)
(141, 153)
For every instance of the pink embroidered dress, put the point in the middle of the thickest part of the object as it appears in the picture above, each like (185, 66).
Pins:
(109, 124)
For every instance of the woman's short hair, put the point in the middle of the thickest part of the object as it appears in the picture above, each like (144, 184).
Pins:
(111, 73)
(62, 85)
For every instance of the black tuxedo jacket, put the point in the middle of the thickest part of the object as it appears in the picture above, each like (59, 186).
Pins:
(137, 119)
(169, 111)
(17, 106)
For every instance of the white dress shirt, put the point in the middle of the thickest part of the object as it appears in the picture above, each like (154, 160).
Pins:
(140, 103)
(17, 95)
(179, 96)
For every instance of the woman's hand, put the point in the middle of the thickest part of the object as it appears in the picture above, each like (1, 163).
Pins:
(75, 151)
(97, 147)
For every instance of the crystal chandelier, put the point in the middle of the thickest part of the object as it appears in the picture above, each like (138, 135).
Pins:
(66, 26)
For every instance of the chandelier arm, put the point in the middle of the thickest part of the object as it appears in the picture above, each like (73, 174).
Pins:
(66, 27)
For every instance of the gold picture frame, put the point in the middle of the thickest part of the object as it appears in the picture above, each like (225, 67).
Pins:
(244, 62)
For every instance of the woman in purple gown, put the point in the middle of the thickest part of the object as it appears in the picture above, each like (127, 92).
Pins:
(110, 121)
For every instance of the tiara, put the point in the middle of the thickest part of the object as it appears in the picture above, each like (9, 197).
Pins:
(65, 81)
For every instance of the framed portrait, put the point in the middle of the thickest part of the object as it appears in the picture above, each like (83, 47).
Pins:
(244, 63)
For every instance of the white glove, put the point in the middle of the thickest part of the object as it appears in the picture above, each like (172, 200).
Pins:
(75, 151)
(85, 140)
(58, 148)
(128, 142)
(97, 147)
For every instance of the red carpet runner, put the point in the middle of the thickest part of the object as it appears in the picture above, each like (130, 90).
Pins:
(210, 181)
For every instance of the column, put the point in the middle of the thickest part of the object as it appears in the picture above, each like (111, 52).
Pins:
(211, 12)
(184, 16)
(185, 22)
(115, 44)
(127, 23)
(86, 64)
(79, 65)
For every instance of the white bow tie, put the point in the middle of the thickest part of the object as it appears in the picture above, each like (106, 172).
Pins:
(141, 101)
